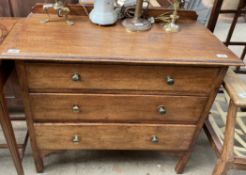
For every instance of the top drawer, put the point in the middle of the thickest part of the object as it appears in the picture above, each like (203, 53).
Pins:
(99, 77)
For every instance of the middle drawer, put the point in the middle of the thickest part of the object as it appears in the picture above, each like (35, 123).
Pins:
(116, 108)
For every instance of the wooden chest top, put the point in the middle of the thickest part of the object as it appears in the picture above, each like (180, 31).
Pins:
(56, 41)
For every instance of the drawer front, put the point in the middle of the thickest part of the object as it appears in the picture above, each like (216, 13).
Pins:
(65, 77)
(113, 136)
(116, 108)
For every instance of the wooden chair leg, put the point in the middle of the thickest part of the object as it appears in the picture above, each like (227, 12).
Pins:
(214, 15)
(9, 135)
(221, 167)
(224, 162)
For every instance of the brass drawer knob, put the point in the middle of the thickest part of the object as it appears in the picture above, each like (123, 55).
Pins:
(169, 80)
(154, 139)
(76, 77)
(162, 110)
(76, 139)
(76, 109)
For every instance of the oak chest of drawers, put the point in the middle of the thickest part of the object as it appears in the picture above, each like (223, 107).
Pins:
(88, 87)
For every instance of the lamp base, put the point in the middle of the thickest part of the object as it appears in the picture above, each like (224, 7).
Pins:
(171, 28)
(136, 24)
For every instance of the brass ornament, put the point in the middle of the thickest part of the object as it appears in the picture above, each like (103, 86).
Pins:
(172, 26)
(61, 11)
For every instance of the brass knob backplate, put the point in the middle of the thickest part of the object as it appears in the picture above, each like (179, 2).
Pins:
(162, 110)
(76, 139)
(169, 80)
(76, 109)
(76, 77)
(154, 139)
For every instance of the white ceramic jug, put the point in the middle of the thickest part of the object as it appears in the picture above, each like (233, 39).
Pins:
(104, 12)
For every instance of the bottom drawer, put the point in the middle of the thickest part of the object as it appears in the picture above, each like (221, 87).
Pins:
(114, 136)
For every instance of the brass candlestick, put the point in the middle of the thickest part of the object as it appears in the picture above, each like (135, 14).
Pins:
(137, 23)
(172, 26)
(60, 9)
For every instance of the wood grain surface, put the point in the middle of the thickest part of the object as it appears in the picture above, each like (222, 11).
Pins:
(78, 10)
(116, 108)
(5, 8)
(12, 90)
(95, 77)
(236, 88)
(122, 80)
(113, 136)
(21, 8)
(87, 42)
